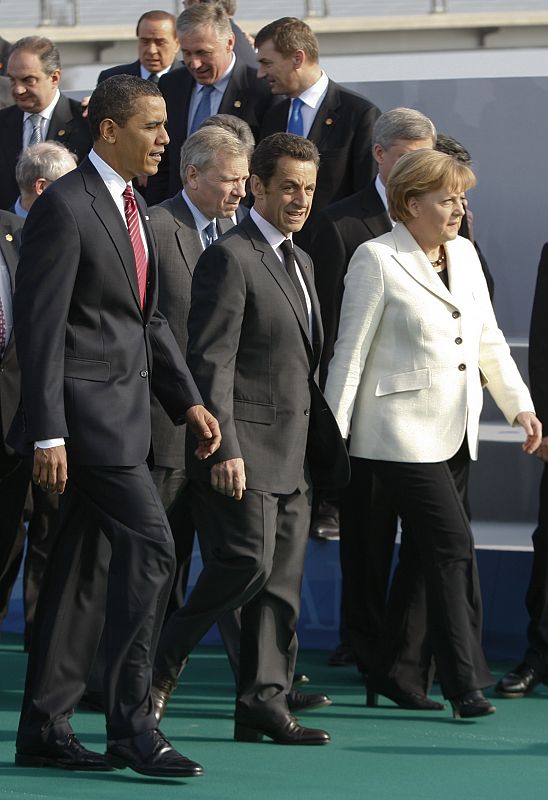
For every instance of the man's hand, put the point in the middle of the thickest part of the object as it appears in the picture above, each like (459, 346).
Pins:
(50, 469)
(84, 103)
(206, 429)
(533, 428)
(228, 478)
(542, 452)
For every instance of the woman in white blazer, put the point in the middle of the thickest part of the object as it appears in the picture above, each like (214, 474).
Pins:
(417, 342)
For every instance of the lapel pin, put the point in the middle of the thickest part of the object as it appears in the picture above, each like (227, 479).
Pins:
(61, 132)
(237, 103)
(9, 237)
(329, 121)
(147, 218)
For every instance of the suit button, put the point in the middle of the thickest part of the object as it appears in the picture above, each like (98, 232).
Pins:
(458, 340)
(307, 412)
(462, 367)
(455, 314)
(144, 373)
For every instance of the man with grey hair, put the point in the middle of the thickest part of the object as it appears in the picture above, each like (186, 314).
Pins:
(40, 112)
(368, 519)
(214, 81)
(38, 166)
(243, 43)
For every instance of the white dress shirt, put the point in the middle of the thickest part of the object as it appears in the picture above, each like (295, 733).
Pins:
(312, 99)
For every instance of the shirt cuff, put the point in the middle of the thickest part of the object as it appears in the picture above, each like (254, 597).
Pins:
(45, 444)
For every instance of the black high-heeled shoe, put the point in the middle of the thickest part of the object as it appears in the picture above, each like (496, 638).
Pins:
(409, 700)
(471, 704)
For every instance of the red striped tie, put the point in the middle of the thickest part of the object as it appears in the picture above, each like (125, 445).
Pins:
(141, 261)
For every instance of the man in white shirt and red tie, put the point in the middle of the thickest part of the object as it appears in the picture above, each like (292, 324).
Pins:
(91, 347)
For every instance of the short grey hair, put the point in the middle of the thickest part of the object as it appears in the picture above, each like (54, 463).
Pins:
(402, 123)
(238, 127)
(202, 148)
(201, 15)
(48, 160)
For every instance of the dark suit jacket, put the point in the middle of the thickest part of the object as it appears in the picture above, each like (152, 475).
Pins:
(86, 349)
(6, 98)
(67, 126)
(253, 359)
(341, 228)
(242, 48)
(129, 69)
(179, 248)
(245, 96)
(342, 131)
(10, 390)
(538, 343)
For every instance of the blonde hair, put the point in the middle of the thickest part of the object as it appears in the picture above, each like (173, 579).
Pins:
(420, 172)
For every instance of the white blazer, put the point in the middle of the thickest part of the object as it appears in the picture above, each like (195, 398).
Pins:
(411, 356)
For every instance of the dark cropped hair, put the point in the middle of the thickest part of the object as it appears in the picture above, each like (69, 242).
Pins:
(278, 145)
(157, 16)
(115, 99)
(447, 144)
(289, 34)
(44, 48)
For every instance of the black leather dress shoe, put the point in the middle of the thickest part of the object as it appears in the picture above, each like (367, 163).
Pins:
(161, 690)
(341, 656)
(519, 682)
(325, 527)
(413, 701)
(299, 701)
(63, 753)
(471, 704)
(299, 679)
(281, 728)
(150, 753)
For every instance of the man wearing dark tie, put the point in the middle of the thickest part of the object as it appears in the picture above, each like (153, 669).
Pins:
(91, 346)
(157, 47)
(254, 342)
(214, 81)
(40, 112)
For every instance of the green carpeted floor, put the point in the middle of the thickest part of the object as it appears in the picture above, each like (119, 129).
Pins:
(378, 754)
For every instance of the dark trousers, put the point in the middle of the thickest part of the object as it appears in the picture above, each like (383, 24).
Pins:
(175, 494)
(253, 553)
(40, 536)
(368, 527)
(437, 561)
(118, 580)
(537, 593)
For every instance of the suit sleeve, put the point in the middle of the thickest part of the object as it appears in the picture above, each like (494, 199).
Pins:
(538, 342)
(214, 326)
(45, 278)
(364, 167)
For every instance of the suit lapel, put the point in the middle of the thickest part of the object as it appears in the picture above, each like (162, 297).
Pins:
(413, 259)
(278, 272)
(234, 97)
(317, 329)
(14, 136)
(152, 277)
(188, 238)
(8, 248)
(374, 214)
(104, 206)
(326, 117)
(60, 119)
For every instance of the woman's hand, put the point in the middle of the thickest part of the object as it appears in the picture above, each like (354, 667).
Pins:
(533, 428)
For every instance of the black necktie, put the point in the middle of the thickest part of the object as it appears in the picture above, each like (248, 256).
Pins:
(289, 260)
(153, 78)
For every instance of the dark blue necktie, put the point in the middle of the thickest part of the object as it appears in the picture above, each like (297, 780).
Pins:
(210, 233)
(204, 108)
(295, 124)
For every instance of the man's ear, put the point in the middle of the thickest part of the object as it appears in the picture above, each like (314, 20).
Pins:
(256, 185)
(108, 130)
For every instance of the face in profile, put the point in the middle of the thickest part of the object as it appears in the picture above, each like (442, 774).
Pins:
(220, 186)
(32, 89)
(138, 146)
(278, 70)
(438, 214)
(285, 201)
(207, 55)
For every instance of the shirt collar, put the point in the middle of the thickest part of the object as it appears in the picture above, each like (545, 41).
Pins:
(47, 112)
(314, 94)
(273, 236)
(114, 182)
(200, 219)
(19, 210)
(145, 72)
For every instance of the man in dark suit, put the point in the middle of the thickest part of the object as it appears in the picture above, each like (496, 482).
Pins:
(37, 167)
(91, 345)
(214, 81)
(368, 517)
(533, 669)
(40, 112)
(157, 47)
(254, 342)
(338, 121)
(214, 170)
